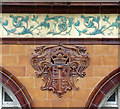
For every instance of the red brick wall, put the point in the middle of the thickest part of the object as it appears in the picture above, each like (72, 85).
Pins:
(103, 60)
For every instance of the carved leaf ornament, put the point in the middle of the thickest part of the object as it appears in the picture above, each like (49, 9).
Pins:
(60, 66)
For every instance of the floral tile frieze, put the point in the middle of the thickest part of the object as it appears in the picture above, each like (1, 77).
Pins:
(60, 25)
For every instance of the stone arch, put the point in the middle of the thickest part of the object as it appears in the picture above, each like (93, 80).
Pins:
(21, 93)
(105, 85)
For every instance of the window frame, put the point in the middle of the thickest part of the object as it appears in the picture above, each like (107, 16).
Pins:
(3, 103)
(111, 104)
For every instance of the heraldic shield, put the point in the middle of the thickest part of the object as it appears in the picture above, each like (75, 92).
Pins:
(60, 66)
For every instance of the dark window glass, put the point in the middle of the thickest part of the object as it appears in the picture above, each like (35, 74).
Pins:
(112, 97)
(7, 97)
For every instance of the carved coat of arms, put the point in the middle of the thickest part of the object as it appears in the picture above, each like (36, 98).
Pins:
(60, 66)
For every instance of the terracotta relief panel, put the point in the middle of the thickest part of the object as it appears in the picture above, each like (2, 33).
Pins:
(60, 66)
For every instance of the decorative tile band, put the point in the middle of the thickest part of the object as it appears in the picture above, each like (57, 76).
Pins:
(60, 25)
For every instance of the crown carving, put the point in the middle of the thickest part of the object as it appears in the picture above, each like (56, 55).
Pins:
(59, 57)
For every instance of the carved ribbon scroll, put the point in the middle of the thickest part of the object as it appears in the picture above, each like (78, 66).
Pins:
(60, 66)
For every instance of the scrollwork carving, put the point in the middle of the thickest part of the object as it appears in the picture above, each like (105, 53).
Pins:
(87, 25)
(60, 66)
